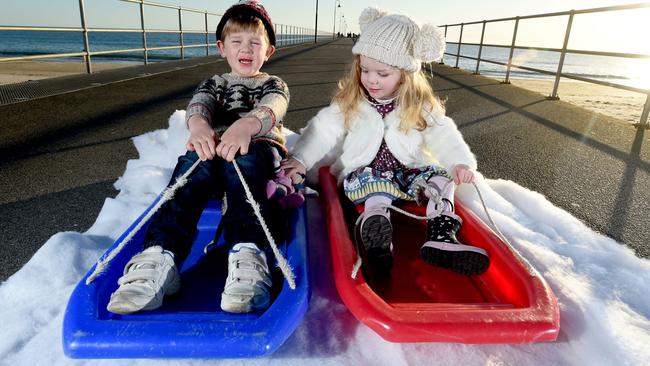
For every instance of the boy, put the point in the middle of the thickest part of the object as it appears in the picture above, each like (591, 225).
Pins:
(237, 112)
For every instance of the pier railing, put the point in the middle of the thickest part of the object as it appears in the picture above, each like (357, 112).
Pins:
(558, 73)
(285, 35)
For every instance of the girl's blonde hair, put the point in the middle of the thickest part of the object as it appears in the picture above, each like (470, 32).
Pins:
(414, 95)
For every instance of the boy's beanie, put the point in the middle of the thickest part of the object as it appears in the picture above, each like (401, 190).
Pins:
(250, 8)
(397, 40)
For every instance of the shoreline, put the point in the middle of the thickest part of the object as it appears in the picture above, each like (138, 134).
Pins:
(621, 104)
(19, 71)
(617, 103)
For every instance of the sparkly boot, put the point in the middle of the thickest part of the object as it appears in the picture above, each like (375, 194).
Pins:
(442, 249)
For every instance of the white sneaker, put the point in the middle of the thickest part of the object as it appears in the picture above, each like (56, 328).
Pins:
(249, 282)
(148, 277)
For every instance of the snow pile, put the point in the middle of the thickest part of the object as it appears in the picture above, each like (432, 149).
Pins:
(601, 286)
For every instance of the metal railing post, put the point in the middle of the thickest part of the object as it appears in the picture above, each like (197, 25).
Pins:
(512, 51)
(442, 59)
(82, 15)
(643, 122)
(207, 36)
(460, 42)
(180, 29)
(144, 33)
(480, 49)
(556, 85)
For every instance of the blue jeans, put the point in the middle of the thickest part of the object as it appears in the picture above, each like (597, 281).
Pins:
(173, 226)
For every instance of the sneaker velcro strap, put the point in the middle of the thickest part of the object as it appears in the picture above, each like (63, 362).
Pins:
(253, 275)
(136, 288)
(140, 274)
(144, 258)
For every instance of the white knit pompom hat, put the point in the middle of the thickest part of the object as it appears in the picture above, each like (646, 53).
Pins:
(397, 40)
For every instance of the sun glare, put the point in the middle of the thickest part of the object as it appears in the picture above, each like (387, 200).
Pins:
(639, 69)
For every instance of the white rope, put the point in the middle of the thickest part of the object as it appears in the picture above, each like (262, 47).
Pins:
(282, 263)
(358, 262)
(102, 264)
(356, 267)
(529, 267)
(435, 196)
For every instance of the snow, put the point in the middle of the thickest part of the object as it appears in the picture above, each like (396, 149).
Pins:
(601, 286)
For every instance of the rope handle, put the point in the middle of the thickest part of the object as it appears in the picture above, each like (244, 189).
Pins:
(522, 259)
(282, 262)
(167, 195)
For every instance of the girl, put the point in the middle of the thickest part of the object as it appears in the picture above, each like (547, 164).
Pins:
(386, 137)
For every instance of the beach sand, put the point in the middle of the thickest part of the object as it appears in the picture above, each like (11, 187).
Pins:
(18, 71)
(622, 104)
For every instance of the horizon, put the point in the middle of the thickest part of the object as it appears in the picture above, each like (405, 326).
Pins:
(624, 31)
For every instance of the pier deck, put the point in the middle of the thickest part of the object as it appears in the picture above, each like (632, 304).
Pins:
(60, 154)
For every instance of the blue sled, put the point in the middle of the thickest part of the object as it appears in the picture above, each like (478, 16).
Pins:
(190, 324)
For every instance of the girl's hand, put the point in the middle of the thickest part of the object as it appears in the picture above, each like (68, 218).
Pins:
(237, 137)
(293, 167)
(461, 173)
(202, 139)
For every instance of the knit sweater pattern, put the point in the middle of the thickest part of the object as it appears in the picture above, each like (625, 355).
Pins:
(263, 96)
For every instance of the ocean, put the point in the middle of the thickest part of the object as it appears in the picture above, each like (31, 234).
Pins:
(27, 43)
(617, 70)
(630, 72)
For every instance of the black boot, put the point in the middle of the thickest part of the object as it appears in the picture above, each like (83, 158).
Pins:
(442, 249)
(376, 236)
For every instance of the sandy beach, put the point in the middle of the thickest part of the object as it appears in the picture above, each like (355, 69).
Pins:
(18, 71)
(622, 104)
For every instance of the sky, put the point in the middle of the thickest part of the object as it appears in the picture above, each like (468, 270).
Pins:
(602, 288)
(620, 31)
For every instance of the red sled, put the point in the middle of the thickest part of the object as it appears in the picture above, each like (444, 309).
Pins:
(510, 303)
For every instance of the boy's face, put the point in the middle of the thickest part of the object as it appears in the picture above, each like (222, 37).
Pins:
(246, 51)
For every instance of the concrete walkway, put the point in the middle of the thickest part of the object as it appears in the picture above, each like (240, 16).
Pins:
(60, 155)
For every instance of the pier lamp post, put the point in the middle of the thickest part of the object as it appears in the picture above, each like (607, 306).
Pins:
(334, 25)
(341, 20)
(316, 25)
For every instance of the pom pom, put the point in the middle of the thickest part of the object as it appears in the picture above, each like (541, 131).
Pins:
(429, 44)
(369, 15)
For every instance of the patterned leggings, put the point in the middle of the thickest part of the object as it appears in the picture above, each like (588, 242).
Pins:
(407, 185)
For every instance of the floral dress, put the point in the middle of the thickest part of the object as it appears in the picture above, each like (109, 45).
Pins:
(386, 175)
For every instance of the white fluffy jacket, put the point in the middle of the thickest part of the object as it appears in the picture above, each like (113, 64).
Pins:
(326, 141)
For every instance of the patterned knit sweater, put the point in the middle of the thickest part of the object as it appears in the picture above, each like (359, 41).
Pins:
(223, 99)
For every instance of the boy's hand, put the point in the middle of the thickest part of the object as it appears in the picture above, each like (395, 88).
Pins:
(292, 167)
(462, 174)
(237, 137)
(202, 139)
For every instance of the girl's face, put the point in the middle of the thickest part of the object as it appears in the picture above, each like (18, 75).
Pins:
(380, 80)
